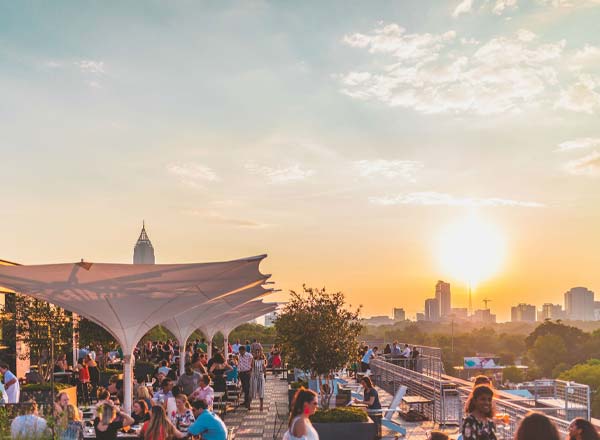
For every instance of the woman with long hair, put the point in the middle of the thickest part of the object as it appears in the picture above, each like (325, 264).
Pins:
(536, 426)
(159, 427)
(143, 393)
(304, 405)
(478, 425)
(140, 413)
(581, 429)
(74, 428)
(217, 371)
(105, 423)
(257, 376)
(184, 416)
(94, 372)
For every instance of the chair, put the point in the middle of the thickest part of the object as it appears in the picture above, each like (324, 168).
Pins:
(282, 412)
(389, 413)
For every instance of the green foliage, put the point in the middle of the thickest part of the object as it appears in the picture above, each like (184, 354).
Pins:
(573, 339)
(249, 331)
(91, 333)
(340, 415)
(45, 387)
(317, 331)
(546, 350)
(157, 333)
(587, 373)
(298, 384)
(512, 374)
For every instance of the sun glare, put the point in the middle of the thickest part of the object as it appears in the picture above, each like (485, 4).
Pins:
(471, 250)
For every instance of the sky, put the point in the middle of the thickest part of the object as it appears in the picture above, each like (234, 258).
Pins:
(342, 138)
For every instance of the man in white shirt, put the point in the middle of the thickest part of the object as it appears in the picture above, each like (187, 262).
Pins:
(406, 351)
(11, 383)
(29, 426)
(204, 391)
(244, 368)
(236, 347)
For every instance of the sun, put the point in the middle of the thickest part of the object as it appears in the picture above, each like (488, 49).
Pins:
(471, 249)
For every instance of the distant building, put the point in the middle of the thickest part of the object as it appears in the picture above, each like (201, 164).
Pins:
(579, 304)
(522, 313)
(378, 320)
(551, 311)
(143, 253)
(444, 298)
(484, 315)
(270, 319)
(420, 317)
(399, 315)
(459, 312)
(432, 310)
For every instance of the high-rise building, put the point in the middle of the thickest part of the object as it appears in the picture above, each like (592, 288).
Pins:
(579, 304)
(522, 313)
(484, 315)
(143, 253)
(551, 311)
(459, 312)
(444, 298)
(399, 314)
(432, 310)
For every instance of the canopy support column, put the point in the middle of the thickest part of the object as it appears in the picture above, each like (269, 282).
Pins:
(225, 344)
(182, 353)
(209, 345)
(127, 381)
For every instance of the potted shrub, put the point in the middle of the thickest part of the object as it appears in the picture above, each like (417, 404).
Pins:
(294, 386)
(106, 374)
(344, 423)
(42, 392)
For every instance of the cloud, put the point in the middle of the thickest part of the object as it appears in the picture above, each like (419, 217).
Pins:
(437, 74)
(463, 7)
(569, 3)
(578, 144)
(585, 166)
(504, 5)
(287, 174)
(216, 217)
(589, 56)
(583, 96)
(390, 169)
(90, 66)
(192, 174)
(430, 198)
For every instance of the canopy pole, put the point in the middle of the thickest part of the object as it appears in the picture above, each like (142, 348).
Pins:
(209, 345)
(182, 353)
(75, 323)
(127, 381)
(225, 344)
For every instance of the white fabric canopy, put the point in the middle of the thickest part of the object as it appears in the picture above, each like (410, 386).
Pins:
(229, 320)
(128, 300)
(183, 325)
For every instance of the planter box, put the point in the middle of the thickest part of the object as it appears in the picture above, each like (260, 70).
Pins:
(47, 396)
(347, 431)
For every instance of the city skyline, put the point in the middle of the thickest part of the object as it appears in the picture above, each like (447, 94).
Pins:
(399, 144)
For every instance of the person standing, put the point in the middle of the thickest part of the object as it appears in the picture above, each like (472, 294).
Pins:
(244, 368)
(366, 359)
(257, 377)
(478, 425)
(11, 383)
(189, 380)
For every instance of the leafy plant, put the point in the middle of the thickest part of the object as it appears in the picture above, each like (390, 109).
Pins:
(298, 384)
(45, 387)
(340, 415)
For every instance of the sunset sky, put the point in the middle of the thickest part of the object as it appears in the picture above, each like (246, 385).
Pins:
(344, 139)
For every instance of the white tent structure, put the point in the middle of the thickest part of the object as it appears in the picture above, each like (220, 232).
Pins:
(128, 300)
(226, 322)
(183, 325)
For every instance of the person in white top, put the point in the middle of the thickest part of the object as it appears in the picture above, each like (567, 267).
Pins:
(304, 405)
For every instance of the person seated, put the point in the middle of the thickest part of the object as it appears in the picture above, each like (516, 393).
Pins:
(140, 413)
(160, 426)
(74, 428)
(164, 393)
(105, 425)
(207, 424)
(29, 425)
(204, 391)
(143, 393)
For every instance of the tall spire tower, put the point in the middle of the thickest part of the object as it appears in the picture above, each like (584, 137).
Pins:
(143, 253)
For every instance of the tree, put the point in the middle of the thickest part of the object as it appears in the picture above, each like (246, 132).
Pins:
(91, 333)
(588, 374)
(512, 374)
(547, 351)
(318, 333)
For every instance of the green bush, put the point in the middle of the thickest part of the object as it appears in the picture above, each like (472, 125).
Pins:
(298, 384)
(110, 371)
(58, 386)
(340, 415)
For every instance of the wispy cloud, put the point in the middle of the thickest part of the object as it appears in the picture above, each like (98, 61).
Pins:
(90, 66)
(585, 166)
(291, 173)
(431, 198)
(583, 96)
(502, 6)
(569, 3)
(578, 144)
(463, 7)
(497, 7)
(436, 73)
(390, 169)
(216, 217)
(193, 174)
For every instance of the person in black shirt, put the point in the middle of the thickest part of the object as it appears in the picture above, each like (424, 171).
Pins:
(105, 426)
(371, 399)
(140, 412)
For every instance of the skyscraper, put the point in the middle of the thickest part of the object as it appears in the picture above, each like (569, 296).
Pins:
(579, 304)
(432, 310)
(551, 311)
(143, 253)
(522, 313)
(444, 298)
(399, 314)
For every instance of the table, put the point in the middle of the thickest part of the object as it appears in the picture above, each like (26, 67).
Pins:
(219, 403)
(88, 432)
(416, 401)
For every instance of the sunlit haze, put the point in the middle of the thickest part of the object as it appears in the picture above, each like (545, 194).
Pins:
(373, 147)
